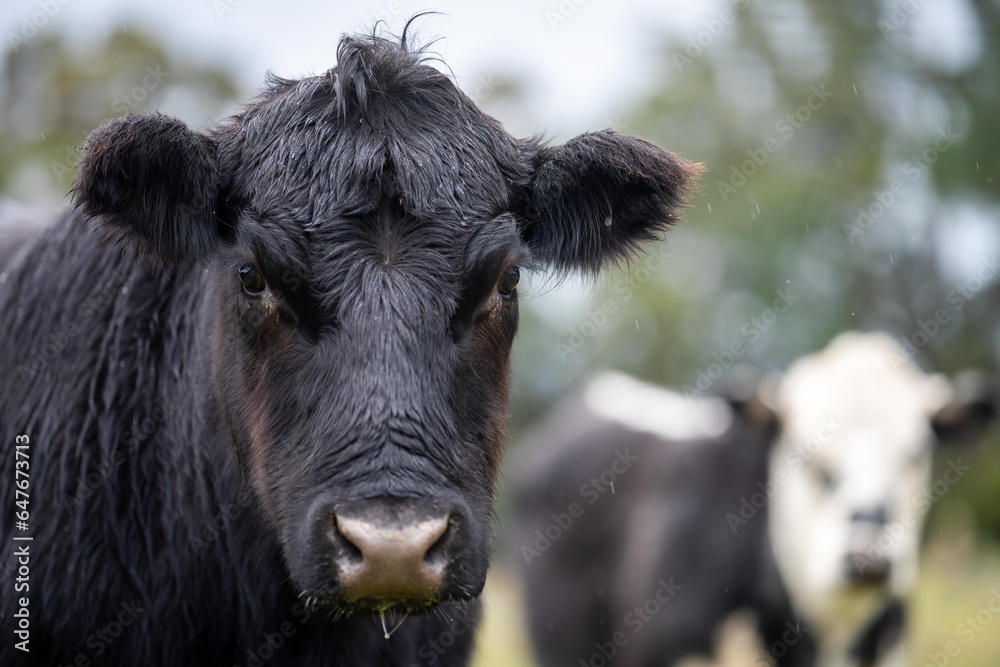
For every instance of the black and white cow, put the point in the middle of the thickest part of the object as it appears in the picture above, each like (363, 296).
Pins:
(801, 504)
(271, 410)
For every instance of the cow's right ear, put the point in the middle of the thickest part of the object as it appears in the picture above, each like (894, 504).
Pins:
(153, 183)
(972, 408)
(593, 200)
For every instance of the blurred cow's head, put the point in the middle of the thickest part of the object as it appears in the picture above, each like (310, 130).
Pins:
(858, 425)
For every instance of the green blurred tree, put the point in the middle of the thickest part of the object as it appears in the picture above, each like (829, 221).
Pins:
(52, 94)
(848, 158)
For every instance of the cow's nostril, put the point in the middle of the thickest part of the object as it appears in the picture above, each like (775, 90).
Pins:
(437, 555)
(386, 552)
(348, 555)
(878, 515)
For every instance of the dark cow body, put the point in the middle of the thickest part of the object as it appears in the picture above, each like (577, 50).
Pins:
(18, 227)
(660, 525)
(268, 406)
(796, 504)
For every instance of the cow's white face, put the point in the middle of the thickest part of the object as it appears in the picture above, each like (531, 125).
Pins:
(850, 469)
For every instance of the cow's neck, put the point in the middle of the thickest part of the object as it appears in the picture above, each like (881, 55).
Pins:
(875, 642)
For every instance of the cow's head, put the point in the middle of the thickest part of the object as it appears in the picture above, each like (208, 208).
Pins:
(851, 471)
(363, 232)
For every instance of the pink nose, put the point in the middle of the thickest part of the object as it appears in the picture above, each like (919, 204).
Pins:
(390, 552)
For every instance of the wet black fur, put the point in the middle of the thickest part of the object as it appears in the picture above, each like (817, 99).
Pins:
(183, 428)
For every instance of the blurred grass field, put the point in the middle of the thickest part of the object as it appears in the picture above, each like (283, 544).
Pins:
(957, 582)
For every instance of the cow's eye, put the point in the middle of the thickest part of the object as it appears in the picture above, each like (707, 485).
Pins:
(827, 479)
(508, 281)
(251, 279)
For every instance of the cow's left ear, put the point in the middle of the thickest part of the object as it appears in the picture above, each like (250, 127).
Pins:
(751, 393)
(153, 183)
(973, 406)
(595, 198)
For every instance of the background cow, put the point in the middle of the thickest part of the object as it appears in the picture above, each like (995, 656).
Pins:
(273, 406)
(802, 503)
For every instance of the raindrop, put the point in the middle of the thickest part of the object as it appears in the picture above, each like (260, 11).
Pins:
(388, 633)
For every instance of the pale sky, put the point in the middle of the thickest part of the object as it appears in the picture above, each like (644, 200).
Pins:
(584, 60)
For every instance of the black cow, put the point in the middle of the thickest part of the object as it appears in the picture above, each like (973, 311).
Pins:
(649, 522)
(267, 409)
(18, 226)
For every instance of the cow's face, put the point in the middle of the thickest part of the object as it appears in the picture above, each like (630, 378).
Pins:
(363, 233)
(851, 469)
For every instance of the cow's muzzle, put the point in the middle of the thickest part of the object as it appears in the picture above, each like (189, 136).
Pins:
(393, 552)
